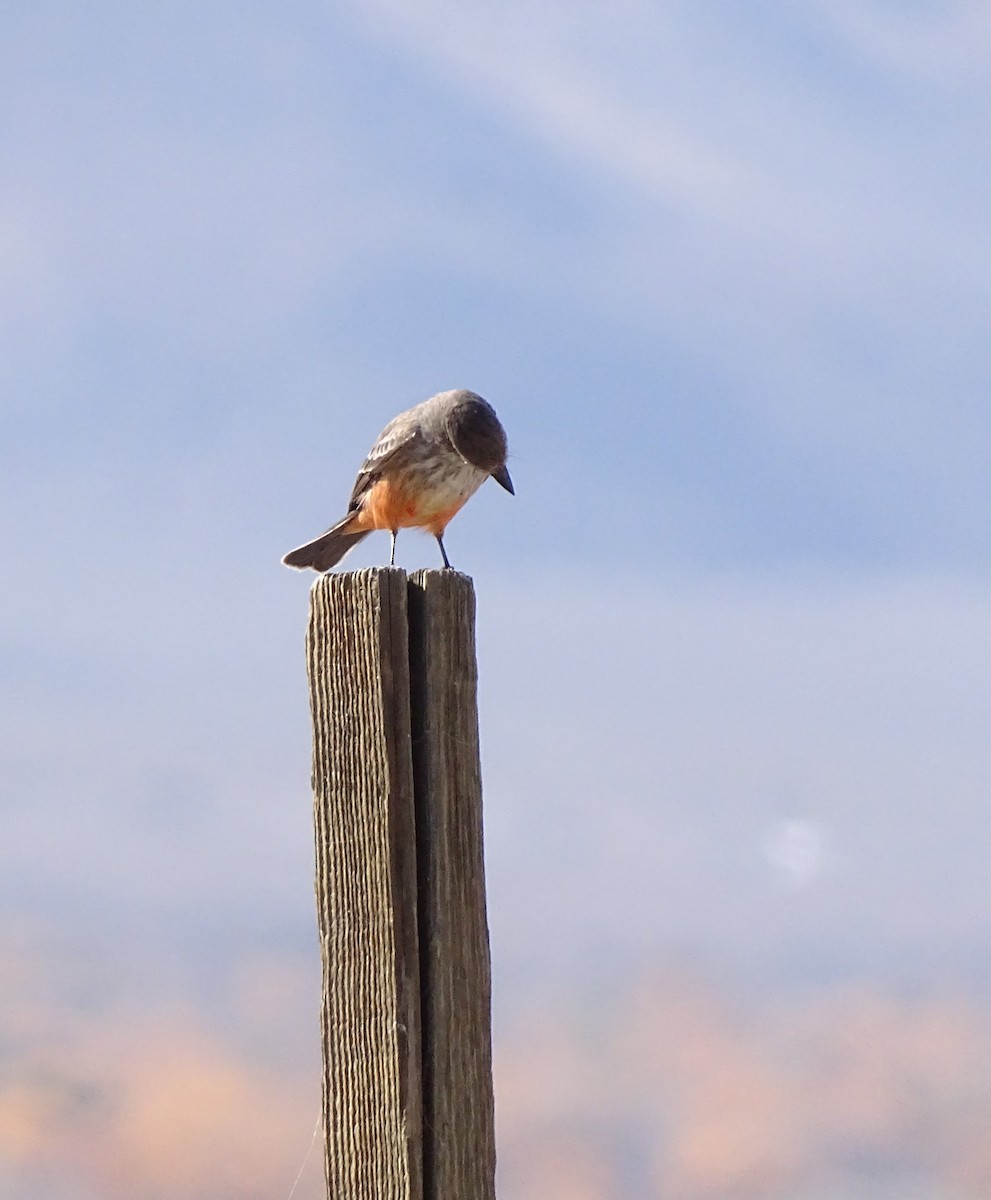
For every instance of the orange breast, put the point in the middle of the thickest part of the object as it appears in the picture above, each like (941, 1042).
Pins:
(437, 522)
(388, 505)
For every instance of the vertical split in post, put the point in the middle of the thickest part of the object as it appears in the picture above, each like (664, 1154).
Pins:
(357, 658)
(455, 971)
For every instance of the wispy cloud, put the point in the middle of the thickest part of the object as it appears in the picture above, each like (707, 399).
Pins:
(566, 76)
(751, 206)
(947, 45)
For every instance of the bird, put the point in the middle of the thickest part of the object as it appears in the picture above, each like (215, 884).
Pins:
(424, 466)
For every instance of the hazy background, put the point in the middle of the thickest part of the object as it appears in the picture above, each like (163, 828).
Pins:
(723, 271)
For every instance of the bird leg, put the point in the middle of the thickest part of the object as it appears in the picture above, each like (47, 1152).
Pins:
(443, 552)
(392, 556)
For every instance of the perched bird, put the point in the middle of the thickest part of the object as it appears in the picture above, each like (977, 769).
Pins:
(425, 465)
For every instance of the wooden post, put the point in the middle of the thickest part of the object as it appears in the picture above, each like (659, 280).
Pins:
(405, 1014)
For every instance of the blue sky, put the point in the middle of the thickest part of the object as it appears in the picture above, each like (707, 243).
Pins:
(722, 270)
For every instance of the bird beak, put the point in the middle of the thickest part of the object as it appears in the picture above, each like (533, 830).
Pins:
(502, 477)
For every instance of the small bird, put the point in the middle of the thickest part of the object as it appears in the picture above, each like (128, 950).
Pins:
(425, 465)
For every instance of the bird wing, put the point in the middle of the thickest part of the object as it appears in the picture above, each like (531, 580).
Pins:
(397, 443)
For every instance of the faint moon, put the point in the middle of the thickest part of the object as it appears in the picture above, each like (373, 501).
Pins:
(794, 850)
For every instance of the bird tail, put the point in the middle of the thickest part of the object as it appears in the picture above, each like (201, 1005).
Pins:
(328, 549)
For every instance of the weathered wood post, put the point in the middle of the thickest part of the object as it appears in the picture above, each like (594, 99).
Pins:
(405, 1013)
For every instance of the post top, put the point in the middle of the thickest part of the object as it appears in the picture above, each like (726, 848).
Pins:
(424, 577)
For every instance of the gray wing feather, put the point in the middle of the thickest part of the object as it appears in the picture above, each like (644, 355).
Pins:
(399, 441)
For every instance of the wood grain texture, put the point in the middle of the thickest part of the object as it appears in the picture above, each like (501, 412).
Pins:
(455, 971)
(357, 658)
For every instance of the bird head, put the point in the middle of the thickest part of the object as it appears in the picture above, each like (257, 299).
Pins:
(478, 436)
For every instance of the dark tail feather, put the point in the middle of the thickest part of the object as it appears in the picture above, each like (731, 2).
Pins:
(327, 550)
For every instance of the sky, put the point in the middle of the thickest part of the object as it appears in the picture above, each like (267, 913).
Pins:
(722, 271)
